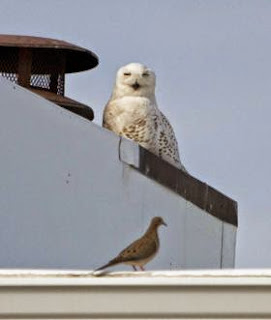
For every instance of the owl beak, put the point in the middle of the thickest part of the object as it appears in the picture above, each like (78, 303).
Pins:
(136, 85)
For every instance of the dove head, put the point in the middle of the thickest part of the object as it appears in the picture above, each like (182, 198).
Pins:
(135, 80)
(157, 222)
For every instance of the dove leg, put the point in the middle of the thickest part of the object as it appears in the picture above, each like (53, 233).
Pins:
(134, 268)
(142, 269)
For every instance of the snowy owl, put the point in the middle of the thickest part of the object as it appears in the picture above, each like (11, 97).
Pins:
(132, 112)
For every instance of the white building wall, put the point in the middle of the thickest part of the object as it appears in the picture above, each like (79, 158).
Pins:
(68, 198)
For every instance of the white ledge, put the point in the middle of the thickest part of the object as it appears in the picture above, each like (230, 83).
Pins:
(226, 277)
(74, 294)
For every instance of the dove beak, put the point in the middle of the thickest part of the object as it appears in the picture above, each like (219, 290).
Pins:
(164, 223)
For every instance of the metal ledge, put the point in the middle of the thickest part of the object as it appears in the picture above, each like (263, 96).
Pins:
(193, 190)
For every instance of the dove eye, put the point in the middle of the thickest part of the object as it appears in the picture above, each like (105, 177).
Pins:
(127, 74)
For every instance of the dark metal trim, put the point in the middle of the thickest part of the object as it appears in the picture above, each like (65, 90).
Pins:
(190, 188)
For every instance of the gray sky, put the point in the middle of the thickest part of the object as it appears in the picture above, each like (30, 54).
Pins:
(213, 67)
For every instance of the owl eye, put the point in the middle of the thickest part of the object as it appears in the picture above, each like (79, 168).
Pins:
(145, 74)
(127, 74)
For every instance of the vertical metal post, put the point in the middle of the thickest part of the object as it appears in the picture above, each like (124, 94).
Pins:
(24, 67)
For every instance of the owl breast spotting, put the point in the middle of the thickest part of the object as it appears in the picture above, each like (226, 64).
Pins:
(132, 112)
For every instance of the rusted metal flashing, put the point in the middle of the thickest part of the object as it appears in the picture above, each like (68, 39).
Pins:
(190, 188)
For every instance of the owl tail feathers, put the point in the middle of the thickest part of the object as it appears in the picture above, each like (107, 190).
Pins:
(109, 264)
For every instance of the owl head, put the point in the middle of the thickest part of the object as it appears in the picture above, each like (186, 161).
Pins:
(135, 79)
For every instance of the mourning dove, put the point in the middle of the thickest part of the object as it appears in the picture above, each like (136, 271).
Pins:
(141, 251)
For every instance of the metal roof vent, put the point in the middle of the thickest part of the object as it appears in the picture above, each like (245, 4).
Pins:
(40, 64)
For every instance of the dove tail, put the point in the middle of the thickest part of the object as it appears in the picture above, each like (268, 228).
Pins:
(109, 264)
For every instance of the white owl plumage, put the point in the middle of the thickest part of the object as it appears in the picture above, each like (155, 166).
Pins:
(132, 112)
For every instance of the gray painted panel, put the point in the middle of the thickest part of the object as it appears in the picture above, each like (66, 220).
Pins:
(203, 236)
(67, 201)
(229, 240)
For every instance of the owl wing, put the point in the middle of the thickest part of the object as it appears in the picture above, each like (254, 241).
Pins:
(107, 115)
(168, 145)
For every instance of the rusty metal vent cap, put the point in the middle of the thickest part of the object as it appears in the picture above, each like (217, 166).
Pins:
(40, 65)
(77, 58)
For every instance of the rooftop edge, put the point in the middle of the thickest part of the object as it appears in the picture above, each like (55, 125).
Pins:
(193, 190)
